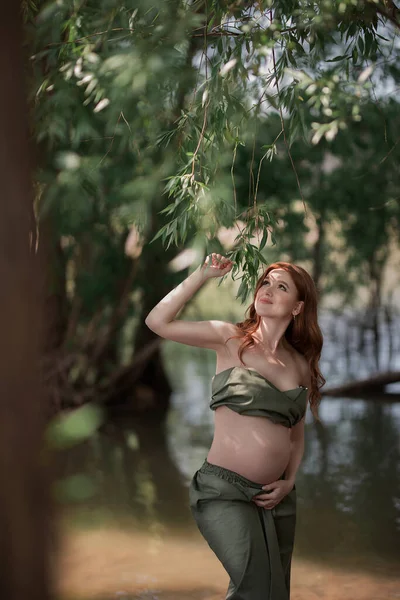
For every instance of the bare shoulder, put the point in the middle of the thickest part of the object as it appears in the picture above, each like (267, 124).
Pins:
(229, 336)
(304, 368)
(229, 330)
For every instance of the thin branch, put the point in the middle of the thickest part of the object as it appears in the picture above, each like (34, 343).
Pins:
(390, 16)
(391, 201)
(284, 130)
(74, 314)
(206, 104)
(258, 103)
(218, 34)
(108, 137)
(85, 37)
(92, 328)
(196, 87)
(261, 161)
(200, 138)
(390, 151)
(251, 174)
(106, 389)
(121, 115)
(233, 176)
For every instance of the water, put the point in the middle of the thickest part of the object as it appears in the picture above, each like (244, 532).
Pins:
(348, 483)
(131, 533)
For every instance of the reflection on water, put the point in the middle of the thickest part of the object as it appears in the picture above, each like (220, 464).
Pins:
(135, 480)
(348, 484)
(357, 346)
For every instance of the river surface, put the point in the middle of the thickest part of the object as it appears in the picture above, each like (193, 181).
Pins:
(347, 487)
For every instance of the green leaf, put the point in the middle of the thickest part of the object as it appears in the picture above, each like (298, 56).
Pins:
(264, 238)
(164, 230)
(242, 291)
(70, 429)
(261, 258)
(369, 38)
(338, 58)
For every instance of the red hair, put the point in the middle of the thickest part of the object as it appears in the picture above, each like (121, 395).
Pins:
(303, 333)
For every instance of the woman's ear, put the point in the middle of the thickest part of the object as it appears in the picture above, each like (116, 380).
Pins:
(299, 307)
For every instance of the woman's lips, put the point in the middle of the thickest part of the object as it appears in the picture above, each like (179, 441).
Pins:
(265, 300)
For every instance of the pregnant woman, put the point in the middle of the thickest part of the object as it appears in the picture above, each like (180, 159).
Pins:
(244, 497)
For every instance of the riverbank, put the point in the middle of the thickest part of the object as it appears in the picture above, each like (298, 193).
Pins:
(107, 563)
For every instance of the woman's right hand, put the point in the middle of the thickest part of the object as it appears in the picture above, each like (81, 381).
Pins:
(216, 265)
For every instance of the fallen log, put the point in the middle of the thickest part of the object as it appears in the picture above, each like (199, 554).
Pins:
(371, 386)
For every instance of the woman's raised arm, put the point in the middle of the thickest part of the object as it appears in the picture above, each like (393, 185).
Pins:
(205, 334)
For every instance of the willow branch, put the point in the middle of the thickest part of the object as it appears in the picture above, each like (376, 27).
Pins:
(284, 130)
(85, 37)
(391, 15)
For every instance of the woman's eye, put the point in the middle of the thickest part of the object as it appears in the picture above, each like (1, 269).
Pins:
(283, 287)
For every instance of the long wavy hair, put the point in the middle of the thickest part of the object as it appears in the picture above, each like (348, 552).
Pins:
(303, 333)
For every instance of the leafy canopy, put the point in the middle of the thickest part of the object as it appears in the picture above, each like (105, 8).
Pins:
(141, 108)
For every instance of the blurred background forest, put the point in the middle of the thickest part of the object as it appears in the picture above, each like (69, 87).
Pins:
(160, 132)
(182, 122)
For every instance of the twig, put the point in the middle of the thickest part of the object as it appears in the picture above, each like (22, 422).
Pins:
(259, 166)
(206, 104)
(219, 34)
(390, 151)
(387, 203)
(251, 174)
(391, 16)
(57, 365)
(283, 127)
(121, 115)
(91, 328)
(85, 37)
(73, 320)
(107, 388)
(233, 176)
(197, 83)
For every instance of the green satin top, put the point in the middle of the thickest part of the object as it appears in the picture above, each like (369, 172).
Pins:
(249, 393)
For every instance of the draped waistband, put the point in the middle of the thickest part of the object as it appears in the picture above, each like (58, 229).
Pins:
(241, 532)
(228, 475)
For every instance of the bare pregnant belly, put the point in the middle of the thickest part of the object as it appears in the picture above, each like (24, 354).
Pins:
(251, 446)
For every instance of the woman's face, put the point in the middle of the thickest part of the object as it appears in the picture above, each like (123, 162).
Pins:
(277, 296)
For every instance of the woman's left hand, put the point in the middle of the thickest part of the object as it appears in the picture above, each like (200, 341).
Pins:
(276, 491)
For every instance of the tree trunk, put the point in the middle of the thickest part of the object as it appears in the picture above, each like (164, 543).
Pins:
(147, 389)
(374, 305)
(56, 308)
(24, 492)
(156, 281)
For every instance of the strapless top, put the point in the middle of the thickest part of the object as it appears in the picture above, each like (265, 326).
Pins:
(248, 392)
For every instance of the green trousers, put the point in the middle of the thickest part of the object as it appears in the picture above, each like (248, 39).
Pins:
(254, 544)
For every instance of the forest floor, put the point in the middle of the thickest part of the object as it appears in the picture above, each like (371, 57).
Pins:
(108, 563)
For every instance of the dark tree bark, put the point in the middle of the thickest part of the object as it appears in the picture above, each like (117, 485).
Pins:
(56, 308)
(150, 379)
(24, 490)
(156, 279)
